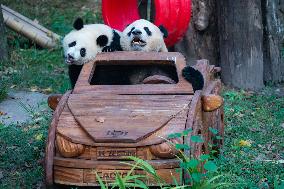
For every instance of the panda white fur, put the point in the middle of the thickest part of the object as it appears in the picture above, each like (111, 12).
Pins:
(83, 43)
(142, 35)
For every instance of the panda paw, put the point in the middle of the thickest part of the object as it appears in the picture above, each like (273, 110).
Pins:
(194, 77)
(108, 49)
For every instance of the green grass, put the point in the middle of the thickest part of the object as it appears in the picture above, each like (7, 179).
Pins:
(22, 153)
(255, 118)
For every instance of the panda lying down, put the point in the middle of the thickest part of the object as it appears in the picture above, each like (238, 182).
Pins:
(82, 45)
(143, 35)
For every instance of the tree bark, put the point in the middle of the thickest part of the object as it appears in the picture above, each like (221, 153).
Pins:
(241, 43)
(201, 39)
(3, 40)
(273, 19)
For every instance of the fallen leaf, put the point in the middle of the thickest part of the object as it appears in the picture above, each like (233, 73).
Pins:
(47, 90)
(100, 119)
(34, 89)
(38, 137)
(245, 143)
(2, 113)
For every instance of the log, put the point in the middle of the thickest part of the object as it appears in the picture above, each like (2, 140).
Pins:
(241, 43)
(29, 28)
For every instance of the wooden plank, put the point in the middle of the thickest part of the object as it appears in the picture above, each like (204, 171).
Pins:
(90, 153)
(154, 89)
(90, 164)
(70, 129)
(50, 147)
(137, 58)
(105, 153)
(166, 175)
(67, 175)
(126, 118)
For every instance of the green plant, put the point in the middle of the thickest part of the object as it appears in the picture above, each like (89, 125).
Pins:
(197, 173)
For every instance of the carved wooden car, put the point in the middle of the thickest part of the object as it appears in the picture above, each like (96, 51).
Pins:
(105, 118)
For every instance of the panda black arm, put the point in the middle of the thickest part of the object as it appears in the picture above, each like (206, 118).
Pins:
(74, 72)
(114, 45)
(194, 77)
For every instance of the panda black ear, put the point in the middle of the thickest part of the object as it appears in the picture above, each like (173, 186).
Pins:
(78, 24)
(164, 31)
(102, 40)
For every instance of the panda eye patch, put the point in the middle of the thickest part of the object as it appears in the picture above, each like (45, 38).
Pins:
(129, 33)
(148, 31)
(83, 52)
(72, 44)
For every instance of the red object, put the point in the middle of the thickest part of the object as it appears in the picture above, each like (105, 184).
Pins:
(174, 15)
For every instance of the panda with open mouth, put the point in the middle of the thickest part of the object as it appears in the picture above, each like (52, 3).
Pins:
(83, 43)
(142, 35)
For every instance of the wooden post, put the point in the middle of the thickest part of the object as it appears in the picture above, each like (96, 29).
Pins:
(241, 43)
(273, 14)
(3, 40)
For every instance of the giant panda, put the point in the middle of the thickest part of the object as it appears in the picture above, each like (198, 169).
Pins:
(83, 43)
(142, 35)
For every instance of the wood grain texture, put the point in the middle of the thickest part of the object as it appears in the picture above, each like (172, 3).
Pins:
(241, 43)
(166, 150)
(69, 128)
(158, 79)
(87, 177)
(136, 58)
(203, 44)
(214, 119)
(67, 148)
(104, 165)
(211, 102)
(53, 100)
(273, 40)
(68, 176)
(50, 146)
(127, 118)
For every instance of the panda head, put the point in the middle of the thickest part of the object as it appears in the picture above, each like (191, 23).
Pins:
(142, 35)
(84, 42)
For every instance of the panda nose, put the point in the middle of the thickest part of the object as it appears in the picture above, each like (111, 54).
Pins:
(136, 32)
(70, 57)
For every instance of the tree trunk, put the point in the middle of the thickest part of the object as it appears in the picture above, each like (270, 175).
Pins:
(273, 19)
(201, 39)
(241, 43)
(3, 40)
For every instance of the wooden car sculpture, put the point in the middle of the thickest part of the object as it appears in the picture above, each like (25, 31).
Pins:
(105, 118)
